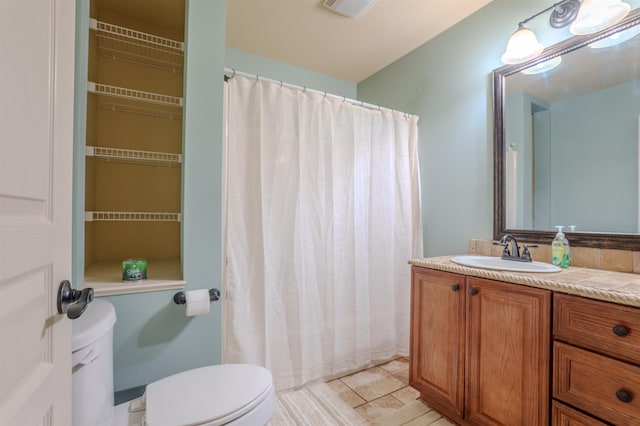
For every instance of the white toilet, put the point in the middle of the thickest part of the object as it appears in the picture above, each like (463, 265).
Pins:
(227, 394)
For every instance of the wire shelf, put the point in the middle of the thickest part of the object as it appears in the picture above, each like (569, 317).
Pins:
(132, 94)
(129, 44)
(131, 216)
(134, 156)
(148, 112)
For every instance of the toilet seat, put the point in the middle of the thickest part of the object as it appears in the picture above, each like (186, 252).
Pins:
(213, 395)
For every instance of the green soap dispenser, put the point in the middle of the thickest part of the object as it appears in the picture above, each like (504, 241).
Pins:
(560, 252)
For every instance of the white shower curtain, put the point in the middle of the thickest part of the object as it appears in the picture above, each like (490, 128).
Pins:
(323, 212)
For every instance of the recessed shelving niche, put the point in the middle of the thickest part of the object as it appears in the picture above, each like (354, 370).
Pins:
(133, 179)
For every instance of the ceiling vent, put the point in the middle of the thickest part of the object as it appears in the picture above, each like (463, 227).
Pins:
(351, 8)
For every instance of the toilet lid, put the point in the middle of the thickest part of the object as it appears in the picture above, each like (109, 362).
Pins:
(97, 320)
(208, 394)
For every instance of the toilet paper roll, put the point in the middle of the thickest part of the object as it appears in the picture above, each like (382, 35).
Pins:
(197, 302)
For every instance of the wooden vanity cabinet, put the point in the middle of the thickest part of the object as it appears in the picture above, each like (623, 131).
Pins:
(480, 348)
(596, 363)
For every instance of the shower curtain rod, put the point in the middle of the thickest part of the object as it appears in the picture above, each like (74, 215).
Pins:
(306, 89)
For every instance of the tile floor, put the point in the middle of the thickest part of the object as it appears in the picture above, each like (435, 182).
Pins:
(382, 395)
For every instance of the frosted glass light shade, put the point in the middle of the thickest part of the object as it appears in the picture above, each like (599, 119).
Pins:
(522, 46)
(616, 38)
(596, 15)
(543, 66)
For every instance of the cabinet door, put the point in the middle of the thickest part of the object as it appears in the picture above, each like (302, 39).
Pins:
(437, 339)
(508, 352)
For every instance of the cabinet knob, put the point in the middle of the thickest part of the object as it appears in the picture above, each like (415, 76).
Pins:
(473, 291)
(620, 330)
(624, 396)
(455, 287)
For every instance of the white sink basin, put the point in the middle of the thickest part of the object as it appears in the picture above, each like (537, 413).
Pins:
(496, 263)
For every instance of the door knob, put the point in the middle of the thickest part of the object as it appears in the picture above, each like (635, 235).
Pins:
(71, 301)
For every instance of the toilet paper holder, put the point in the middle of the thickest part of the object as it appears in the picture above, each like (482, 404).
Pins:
(180, 298)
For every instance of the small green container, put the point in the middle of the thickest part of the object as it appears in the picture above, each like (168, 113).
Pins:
(134, 269)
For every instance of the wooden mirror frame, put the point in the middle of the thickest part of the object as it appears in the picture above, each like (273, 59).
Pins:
(582, 239)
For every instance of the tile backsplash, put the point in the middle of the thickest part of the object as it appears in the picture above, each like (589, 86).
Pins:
(586, 257)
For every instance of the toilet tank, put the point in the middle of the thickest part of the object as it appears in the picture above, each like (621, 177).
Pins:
(92, 365)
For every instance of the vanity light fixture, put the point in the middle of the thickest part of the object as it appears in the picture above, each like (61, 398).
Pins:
(523, 44)
(589, 17)
(596, 15)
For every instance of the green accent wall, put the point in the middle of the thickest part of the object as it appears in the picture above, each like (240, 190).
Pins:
(265, 67)
(79, 134)
(447, 82)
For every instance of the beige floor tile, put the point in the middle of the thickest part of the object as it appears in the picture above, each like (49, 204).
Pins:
(399, 368)
(428, 419)
(345, 393)
(443, 422)
(406, 395)
(373, 383)
(378, 408)
(402, 415)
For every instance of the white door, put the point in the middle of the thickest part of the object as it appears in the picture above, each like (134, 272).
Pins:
(36, 138)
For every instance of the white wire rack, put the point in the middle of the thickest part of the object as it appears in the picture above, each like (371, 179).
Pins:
(128, 44)
(148, 112)
(93, 216)
(132, 94)
(134, 156)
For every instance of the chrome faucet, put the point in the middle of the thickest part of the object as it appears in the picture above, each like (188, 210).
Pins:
(514, 252)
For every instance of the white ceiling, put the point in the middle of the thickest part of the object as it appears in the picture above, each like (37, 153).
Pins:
(306, 34)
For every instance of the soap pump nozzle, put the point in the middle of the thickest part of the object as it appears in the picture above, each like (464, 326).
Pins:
(560, 228)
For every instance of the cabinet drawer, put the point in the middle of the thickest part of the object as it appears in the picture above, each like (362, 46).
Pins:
(607, 388)
(605, 327)
(566, 416)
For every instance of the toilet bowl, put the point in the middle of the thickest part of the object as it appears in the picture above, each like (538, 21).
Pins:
(226, 394)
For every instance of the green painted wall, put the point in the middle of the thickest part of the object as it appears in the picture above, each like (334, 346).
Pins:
(447, 82)
(79, 134)
(253, 64)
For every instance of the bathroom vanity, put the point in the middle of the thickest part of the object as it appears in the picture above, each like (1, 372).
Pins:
(502, 348)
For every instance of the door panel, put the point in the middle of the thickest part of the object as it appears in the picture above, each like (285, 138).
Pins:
(36, 118)
(437, 339)
(508, 335)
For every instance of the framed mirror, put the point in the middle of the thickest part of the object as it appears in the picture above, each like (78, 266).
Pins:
(566, 141)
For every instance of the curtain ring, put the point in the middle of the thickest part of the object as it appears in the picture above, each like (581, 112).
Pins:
(344, 99)
(234, 73)
(305, 89)
(257, 77)
(281, 83)
(325, 93)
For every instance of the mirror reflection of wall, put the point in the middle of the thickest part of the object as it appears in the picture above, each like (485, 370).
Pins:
(572, 143)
